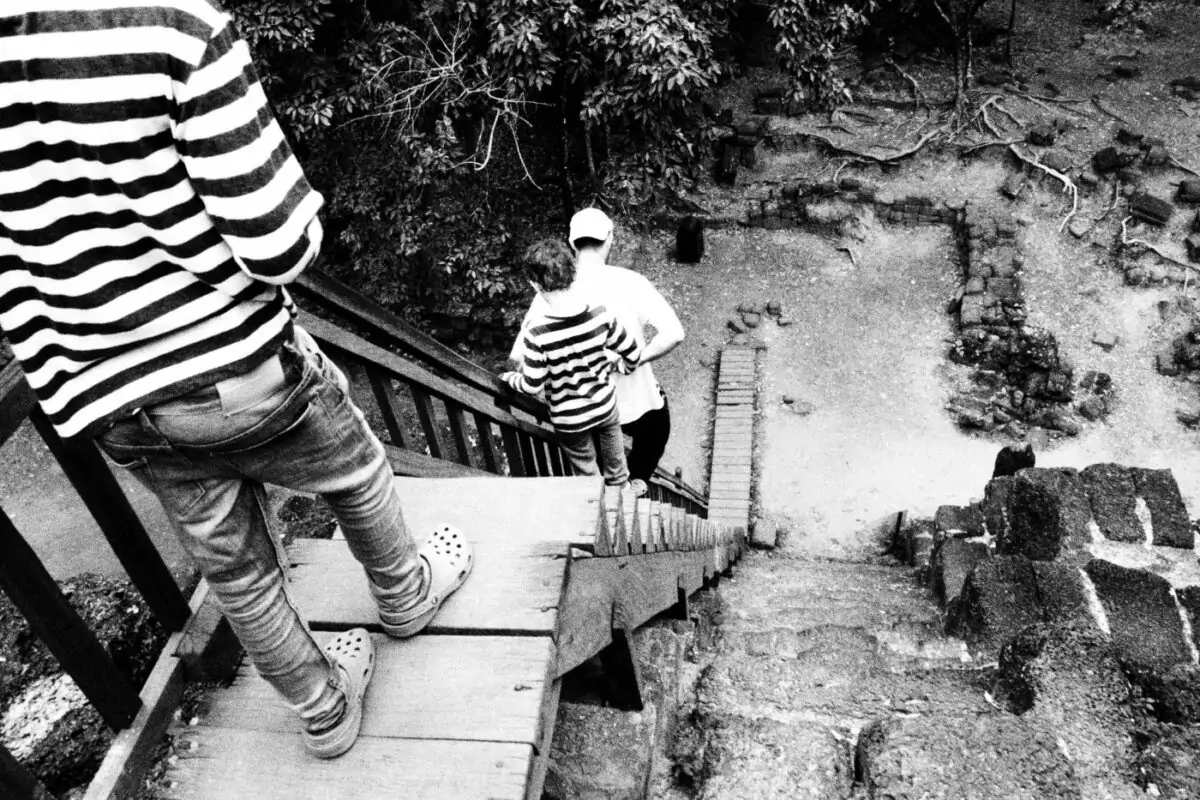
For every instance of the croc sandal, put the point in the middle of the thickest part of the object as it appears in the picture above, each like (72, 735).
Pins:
(353, 657)
(447, 559)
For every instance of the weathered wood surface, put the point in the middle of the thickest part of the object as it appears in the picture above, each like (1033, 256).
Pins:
(474, 688)
(266, 765)
(520, 530)
(134, 749)
(410, 463)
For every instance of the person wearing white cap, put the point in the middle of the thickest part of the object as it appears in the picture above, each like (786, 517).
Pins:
(641, 403)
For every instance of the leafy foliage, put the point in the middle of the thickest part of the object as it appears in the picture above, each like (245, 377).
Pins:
(810, 33)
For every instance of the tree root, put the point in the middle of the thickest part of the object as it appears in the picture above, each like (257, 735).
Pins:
(915, 87)
(864, 157)
(993, 143)
(1126, 241)
(1068, 184)
(849, 252)
(1180, 165)
(1110, 112)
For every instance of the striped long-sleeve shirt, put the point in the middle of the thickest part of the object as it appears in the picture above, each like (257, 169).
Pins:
(568, 357)
(150, 208)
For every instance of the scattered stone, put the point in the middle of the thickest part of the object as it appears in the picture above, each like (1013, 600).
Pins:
(953, 560)
(1189, 417)
(1013, 185)
(763, 533)
(1157, 156)
(1048, 513)
(1126, 71)
(1109, 159)
(1151, 209)
(1171, 764)
(1092, 408)
(998, 598)
(1196, 223)
(740, 340)
(1192, 243)
(1142, 614)
(774, 308)
(937, 756)
(751, 319)
(851, 184)
(1079, 228)
(1164, 362)
(1176, 693)
(727, 166)
(1128, 137)
(737, 325)
(1112, 495)
(1168, 514)
(784, 321)
(749, 307)
(1062, 592)
(1189, 190)
(1042, 135)
(742, 760)
(992, 78)
(1105, 339)
(802, 408)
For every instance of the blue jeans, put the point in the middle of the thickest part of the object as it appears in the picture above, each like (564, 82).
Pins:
(206, 455)
(581, 450)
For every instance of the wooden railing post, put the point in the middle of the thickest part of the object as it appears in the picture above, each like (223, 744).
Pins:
(35, 594)
(93, 480)
(16, 783)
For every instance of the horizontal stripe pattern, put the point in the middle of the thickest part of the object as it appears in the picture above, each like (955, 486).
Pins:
(151, 209)
(569, 358)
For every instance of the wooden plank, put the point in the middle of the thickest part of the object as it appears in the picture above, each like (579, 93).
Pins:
(646, 533)
(487, 443)
(410, 463)
(17, 783)
(389, 405)
(558, 465)
(273, 766)
(527, 445)
(512, 451)
(327, 292)
(52, 619)
(472, 688)
(458, 431)
(520, 531)
(543, 461)
(346, 345)
(95, 484)
(603, 594)
(429, 423)
(541, 756)
(16, 399)
(133, 750)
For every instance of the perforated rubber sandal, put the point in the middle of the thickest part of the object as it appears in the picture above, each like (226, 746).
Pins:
(447, 560)
(353, 656)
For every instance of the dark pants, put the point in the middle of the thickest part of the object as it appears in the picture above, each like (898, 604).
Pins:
(649, 433)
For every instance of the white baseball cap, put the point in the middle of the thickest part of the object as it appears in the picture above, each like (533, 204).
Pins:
(590, 223)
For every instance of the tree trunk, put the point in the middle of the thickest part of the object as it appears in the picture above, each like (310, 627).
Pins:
(1012, 23)
(564, 167)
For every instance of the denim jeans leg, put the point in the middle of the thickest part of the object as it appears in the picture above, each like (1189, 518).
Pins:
(612, 453)
(580, 452)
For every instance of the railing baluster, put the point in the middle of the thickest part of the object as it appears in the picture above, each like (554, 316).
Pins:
(487, 444)
(556, 459)
(433, 434)
(93, 480)
(51, 618)
(539, 453)
(527, 447)
(458, 430)
(17, 783)
(389, 405)
(512, 451)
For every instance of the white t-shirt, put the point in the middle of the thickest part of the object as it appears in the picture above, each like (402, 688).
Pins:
(636, 303)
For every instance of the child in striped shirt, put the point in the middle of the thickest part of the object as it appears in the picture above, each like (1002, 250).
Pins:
(571, 347)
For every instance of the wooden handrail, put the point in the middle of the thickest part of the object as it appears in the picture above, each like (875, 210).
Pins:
(479, 390)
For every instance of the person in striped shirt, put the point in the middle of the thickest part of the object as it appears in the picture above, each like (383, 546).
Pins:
(151, 214)
(571, 349)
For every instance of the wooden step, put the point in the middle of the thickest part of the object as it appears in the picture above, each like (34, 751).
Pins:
(261, 765)
(520, 529)
(475, 688)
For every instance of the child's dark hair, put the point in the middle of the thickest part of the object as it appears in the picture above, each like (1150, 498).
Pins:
(550, 264)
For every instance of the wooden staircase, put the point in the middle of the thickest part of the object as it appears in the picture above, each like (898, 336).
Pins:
(564, 571)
